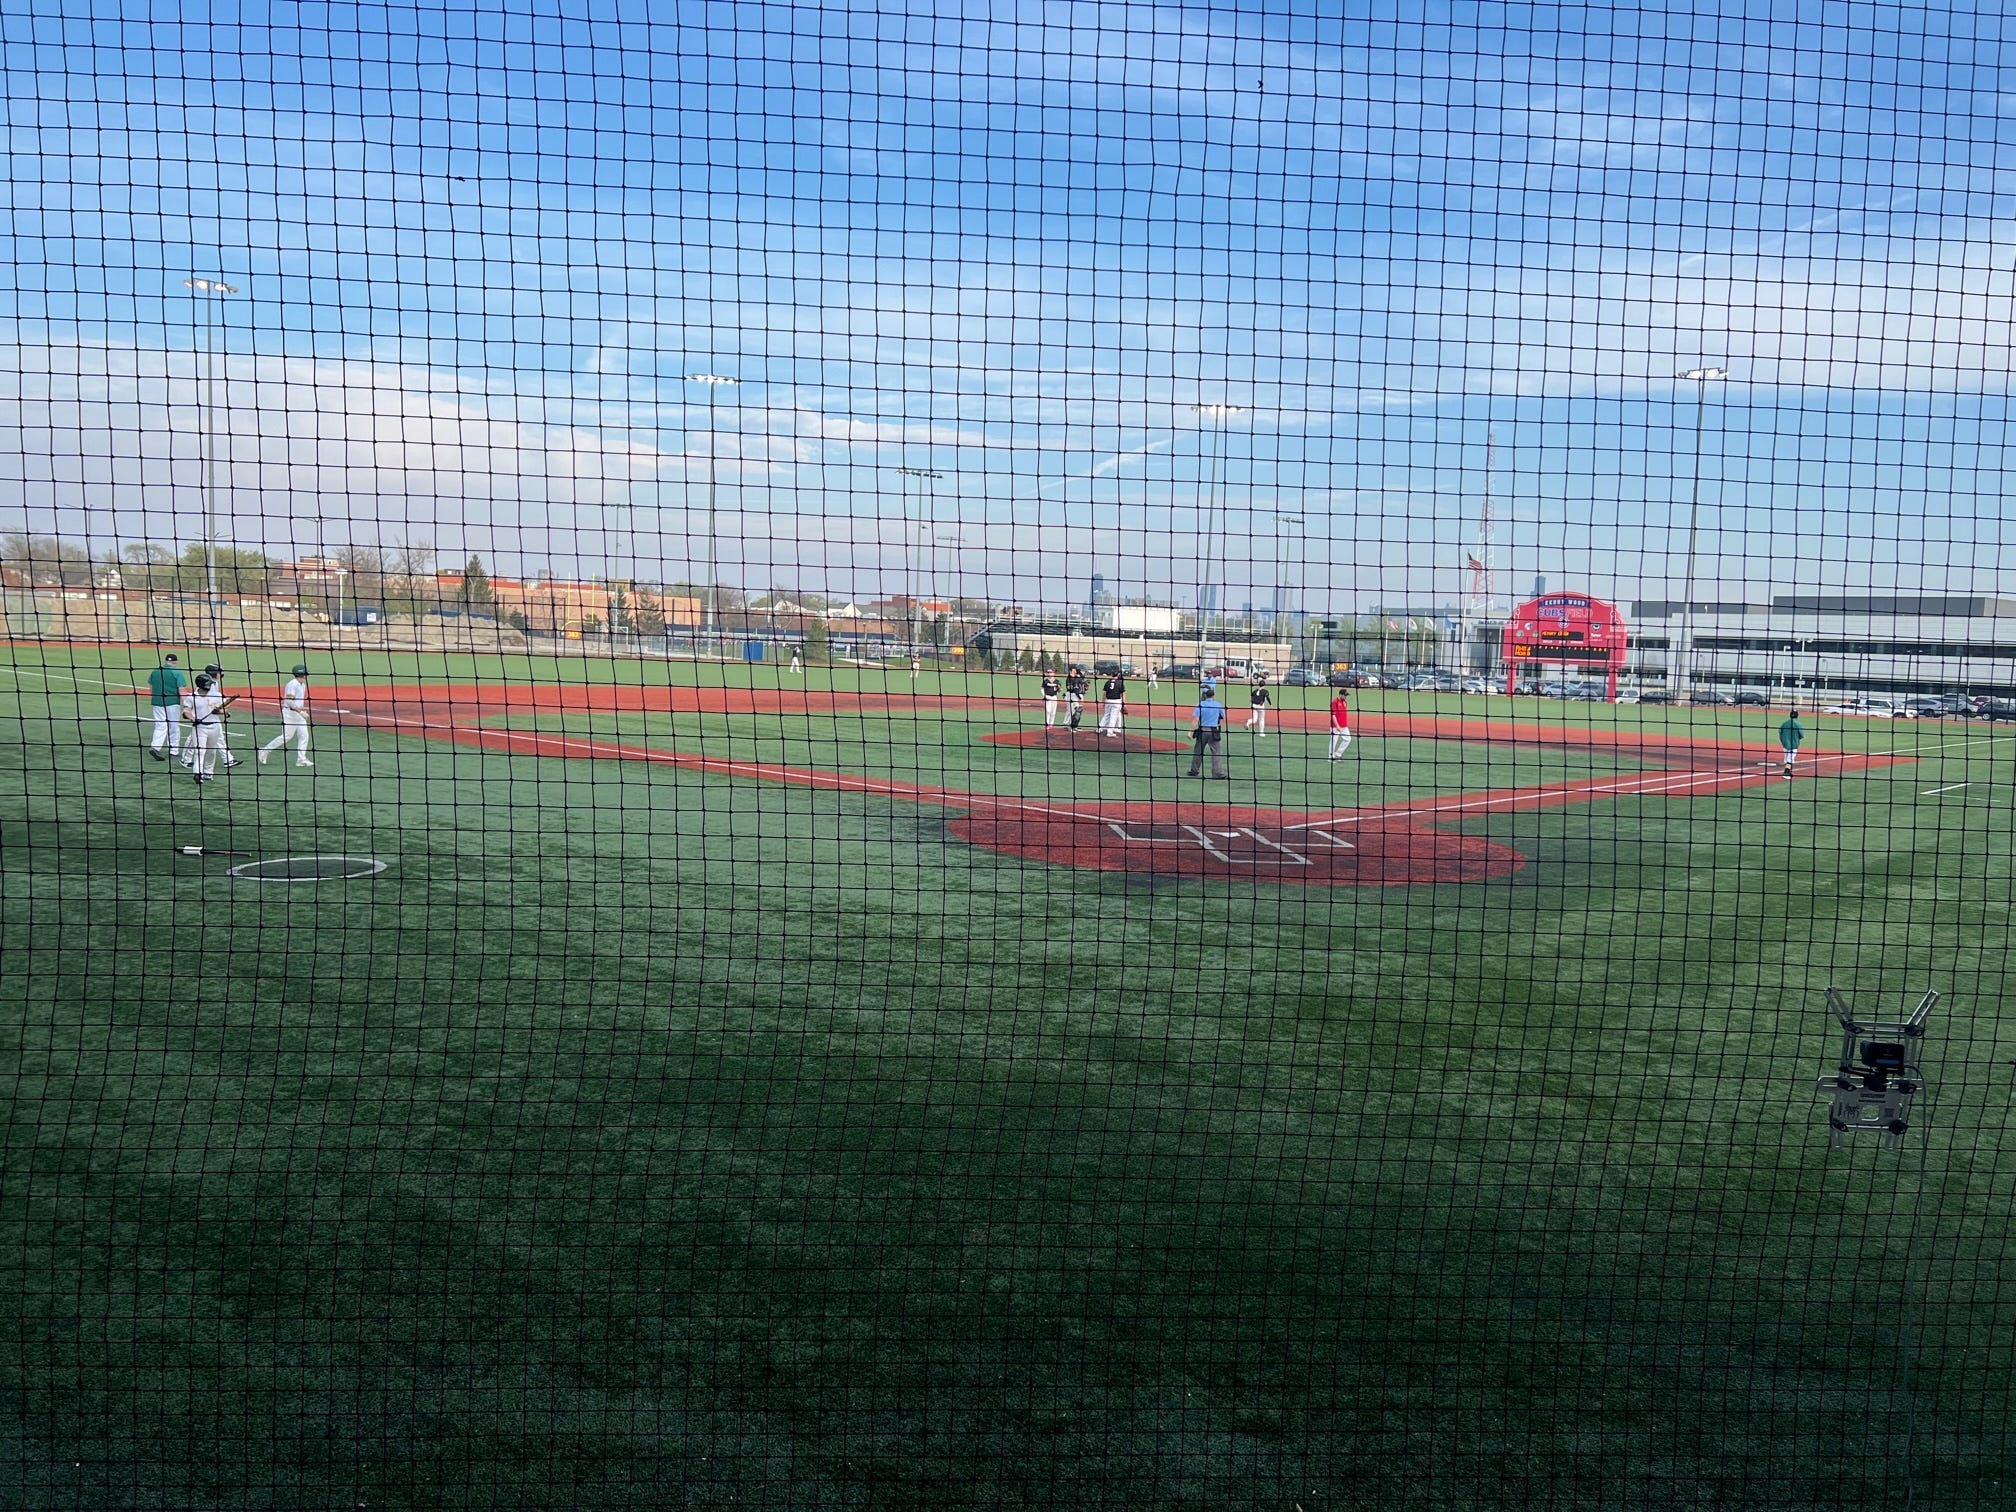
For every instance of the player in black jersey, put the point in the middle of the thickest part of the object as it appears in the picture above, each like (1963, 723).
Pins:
(1259, 698)
(1074, 695)
(1051, 688)
(1110, 717)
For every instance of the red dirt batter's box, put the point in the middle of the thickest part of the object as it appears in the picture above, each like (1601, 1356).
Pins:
(1342, 853)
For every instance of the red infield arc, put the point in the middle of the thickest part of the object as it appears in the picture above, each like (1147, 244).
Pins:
(1394, 844)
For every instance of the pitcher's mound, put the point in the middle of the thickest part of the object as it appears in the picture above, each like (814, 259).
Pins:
(1084, 740)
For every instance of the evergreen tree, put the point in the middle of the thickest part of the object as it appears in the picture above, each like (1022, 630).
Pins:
(647, 615)
(476, 593)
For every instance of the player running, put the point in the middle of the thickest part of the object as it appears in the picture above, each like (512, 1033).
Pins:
(1115, 712)
(205, 709)
(1340, 725)
(293, 720)
(1258, 699)
(1791, 736)
(164, 691)
(1051, 688)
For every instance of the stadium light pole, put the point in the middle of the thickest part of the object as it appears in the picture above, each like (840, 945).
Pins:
(1286, 523)
(710, 619)
(1220, 413)
(210, 290)
(1683, 661)
(924, 477)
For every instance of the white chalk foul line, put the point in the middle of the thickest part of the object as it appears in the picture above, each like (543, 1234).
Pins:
(1951, 787)
(74, 678)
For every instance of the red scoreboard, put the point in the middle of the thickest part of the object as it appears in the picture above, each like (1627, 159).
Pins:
(1571, 629)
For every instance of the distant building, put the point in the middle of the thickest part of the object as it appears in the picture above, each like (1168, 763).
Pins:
(1834, 643)
(1140, 619)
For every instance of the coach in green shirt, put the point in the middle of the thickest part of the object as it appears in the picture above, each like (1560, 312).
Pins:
(1791, 735)
(164, 690)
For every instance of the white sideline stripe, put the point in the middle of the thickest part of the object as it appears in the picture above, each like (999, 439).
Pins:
(1951, 787)
(52, 676)
(61, 719)
(1649, 783)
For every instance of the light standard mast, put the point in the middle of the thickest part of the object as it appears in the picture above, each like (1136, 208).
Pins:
(710, 619)
(211, 290)
(1214, 503)
(924, 477)
(1683, 662)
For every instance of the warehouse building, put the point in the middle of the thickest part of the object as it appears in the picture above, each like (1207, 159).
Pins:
(1830, 644)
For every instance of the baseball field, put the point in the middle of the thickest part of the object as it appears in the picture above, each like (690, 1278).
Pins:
(832, 1091)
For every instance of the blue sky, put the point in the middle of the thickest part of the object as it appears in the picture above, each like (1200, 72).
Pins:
(479, 250)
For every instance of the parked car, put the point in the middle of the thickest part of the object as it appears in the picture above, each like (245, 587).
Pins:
(1346, 680)
(1866, 708)
(1112, 669)
(1945, 706)
(1654, 696)
(1752, 698)
(1711, 698)
(1180, 671)
(1479, 685)
(1301, 677)
(1996, 708)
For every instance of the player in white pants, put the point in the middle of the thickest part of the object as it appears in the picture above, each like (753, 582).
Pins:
(224, 757)
(1051, 688)
(293, 720)
(1340, 727)
(165, 692)
(206, 711)
(1256, 718)
(1114, 714)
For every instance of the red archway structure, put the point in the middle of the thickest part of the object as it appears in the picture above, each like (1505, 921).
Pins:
(1572, 629)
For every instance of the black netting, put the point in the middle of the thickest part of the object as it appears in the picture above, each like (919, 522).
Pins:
(1018, 755)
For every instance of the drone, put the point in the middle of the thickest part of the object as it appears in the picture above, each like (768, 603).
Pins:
(1878, 1076)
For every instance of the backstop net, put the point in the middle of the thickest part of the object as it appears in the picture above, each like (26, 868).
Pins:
(933, 754)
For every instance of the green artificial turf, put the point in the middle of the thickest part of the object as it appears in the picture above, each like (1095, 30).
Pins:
(643, 1137)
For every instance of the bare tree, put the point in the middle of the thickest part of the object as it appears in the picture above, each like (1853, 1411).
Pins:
(409, 575)
(46, 559)
(363, 574)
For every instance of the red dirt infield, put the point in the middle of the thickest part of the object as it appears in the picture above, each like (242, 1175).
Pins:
(1399, 844)
(1083, 740)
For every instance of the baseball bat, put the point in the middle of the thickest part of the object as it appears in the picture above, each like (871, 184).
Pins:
(210, 850)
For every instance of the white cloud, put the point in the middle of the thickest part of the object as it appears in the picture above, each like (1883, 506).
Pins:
(105, 441)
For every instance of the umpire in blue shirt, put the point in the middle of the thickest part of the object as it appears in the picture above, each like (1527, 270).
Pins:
(1207, 732)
